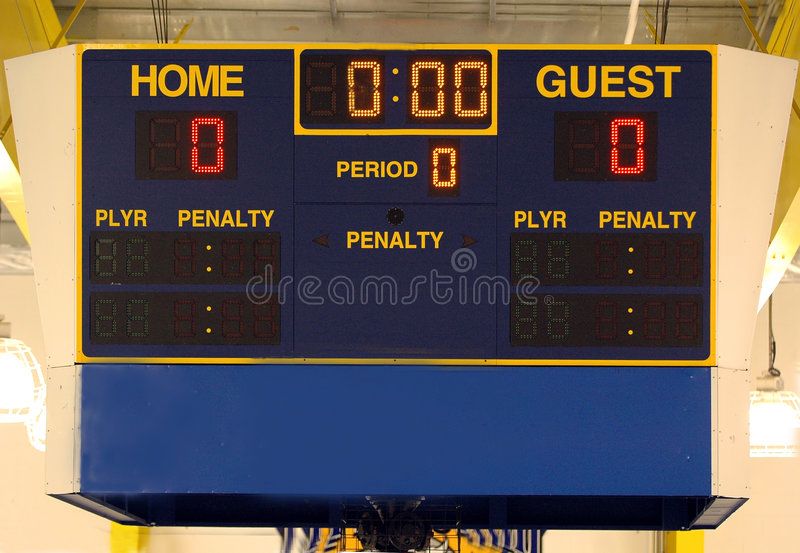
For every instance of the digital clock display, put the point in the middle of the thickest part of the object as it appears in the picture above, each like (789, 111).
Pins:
(401, 89)
(449, 89)
(338, 89)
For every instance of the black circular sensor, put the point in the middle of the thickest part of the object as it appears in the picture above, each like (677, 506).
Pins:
(395, 216)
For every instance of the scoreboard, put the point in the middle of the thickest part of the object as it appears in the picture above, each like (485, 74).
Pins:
(434, 204)
(553, 250)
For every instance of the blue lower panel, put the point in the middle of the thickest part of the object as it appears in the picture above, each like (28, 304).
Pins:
(312, 430)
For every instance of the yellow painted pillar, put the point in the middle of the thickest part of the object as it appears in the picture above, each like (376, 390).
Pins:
(684, 542)
(26, 26)
(11, 191)
(128, 539)
(785, 240)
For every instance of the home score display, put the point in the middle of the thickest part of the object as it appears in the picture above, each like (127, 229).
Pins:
(447, 204)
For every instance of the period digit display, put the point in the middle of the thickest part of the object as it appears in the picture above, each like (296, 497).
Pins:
(520, 205)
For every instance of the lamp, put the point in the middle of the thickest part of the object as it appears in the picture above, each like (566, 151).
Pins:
(774, 412)
(22, 388)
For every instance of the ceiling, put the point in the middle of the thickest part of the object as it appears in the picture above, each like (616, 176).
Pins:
(512, 21)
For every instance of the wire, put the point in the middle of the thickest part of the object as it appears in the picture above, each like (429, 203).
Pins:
(164, 30)
(155, 20)
(773, 348)
(664, 22)
(658, 9)
(161, 19)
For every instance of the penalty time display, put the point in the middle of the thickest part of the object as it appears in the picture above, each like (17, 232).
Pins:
(470, 204)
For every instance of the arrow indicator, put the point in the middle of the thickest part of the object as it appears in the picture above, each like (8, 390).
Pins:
(322, 240)
(467, 241)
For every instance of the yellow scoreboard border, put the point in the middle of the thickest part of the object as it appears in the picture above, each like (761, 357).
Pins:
(493, 49)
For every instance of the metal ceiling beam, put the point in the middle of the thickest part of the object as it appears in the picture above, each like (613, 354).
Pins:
(529, 23)
(383, 5)
(68, 23)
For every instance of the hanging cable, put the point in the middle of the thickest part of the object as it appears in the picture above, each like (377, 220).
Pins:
(165, 20)
(161, 18)
(664, 21)
(658, 9)
(155, 20)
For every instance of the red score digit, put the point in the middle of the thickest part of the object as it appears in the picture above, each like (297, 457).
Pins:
(219, 126)
(617, 145)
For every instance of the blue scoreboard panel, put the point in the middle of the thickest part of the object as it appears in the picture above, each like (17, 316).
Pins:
(396, 204)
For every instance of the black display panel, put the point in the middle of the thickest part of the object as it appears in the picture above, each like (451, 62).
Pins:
(603, 259)
(184, 145)
(618, 320)
(177, 318)
(449, 89)
(606, 146)
(342, 89)
(184, 257)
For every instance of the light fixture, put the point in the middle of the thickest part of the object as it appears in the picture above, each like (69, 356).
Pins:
(774, 412)
(22, 388)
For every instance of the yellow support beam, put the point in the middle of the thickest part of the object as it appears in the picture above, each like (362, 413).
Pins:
(11, 192)
(128, 539)
(183, 31)
(785, 240)
(684, 542)
(61, 38)
(748, 21)
(26, 26)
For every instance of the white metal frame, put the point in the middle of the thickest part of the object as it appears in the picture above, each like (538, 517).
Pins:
(753, 105)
